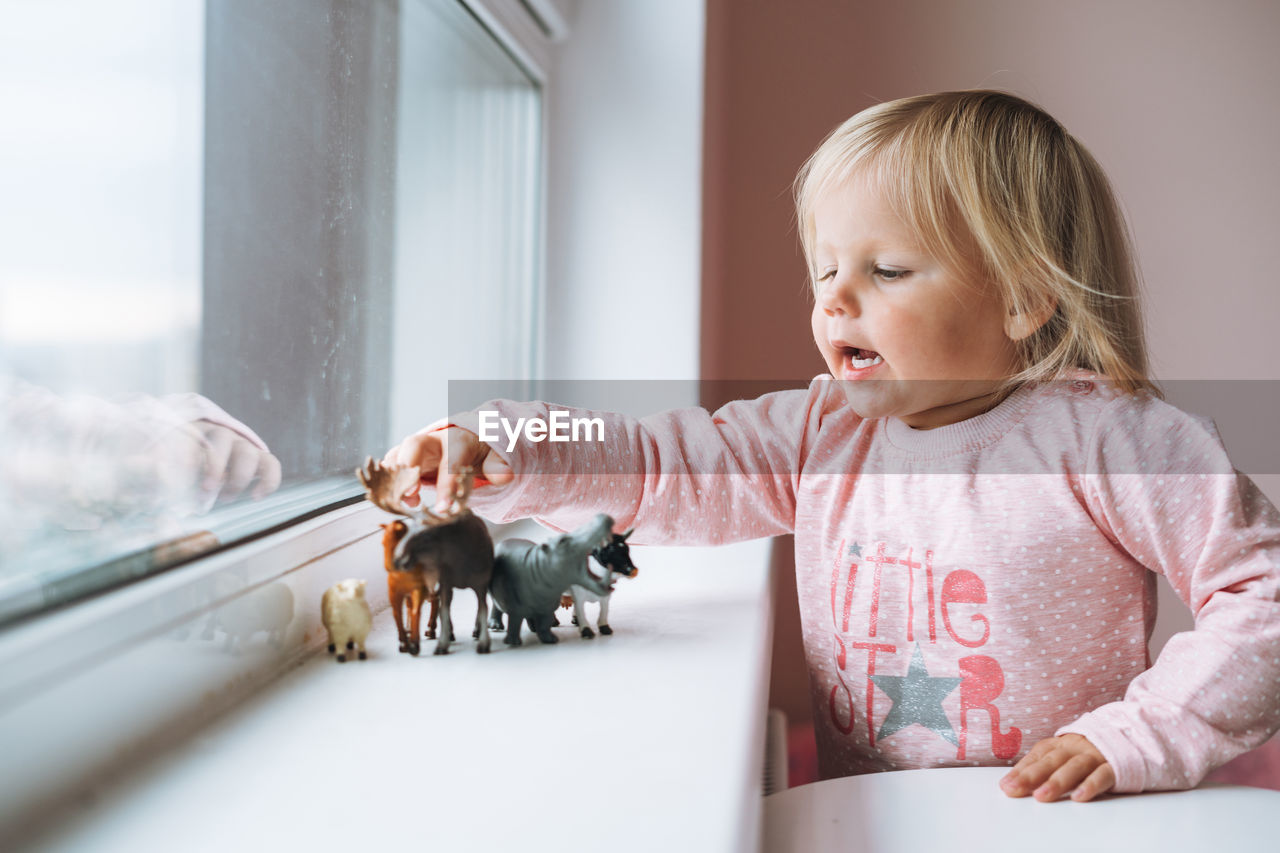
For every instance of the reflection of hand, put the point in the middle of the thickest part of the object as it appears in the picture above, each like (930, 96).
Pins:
(439, 454)
(77, 461)
(195, 465)
(231, 463)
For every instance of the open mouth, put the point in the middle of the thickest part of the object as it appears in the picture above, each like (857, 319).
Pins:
(857, 358)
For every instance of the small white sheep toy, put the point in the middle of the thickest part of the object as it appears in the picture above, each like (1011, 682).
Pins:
(346, 616)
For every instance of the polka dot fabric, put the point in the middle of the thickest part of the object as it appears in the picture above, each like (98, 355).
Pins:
(968, 590)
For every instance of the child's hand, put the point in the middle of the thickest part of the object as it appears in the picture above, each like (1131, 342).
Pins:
(1057, 765)
(439, 454)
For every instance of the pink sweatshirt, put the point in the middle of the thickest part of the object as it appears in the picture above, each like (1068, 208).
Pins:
(969, 590)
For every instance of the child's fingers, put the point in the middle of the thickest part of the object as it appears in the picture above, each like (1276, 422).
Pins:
(1037, 752)
(461, 449)
(496, 470)
(445, 476)
(1066, 777)
(1013, 782)
(421, 450)
(1099, 782)
(439, 455)
(1022, 781)
(444, 488)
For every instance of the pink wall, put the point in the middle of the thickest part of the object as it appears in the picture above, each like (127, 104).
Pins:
(1178, 100)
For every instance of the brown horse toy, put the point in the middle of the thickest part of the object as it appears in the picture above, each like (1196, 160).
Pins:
(409, 587)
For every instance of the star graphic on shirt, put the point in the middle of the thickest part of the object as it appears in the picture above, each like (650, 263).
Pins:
(917, 698)
(855, 550)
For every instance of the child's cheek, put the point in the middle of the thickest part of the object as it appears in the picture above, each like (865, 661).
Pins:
(818, 323)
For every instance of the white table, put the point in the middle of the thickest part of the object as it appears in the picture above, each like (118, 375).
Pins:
(961, 809)
(649, 739)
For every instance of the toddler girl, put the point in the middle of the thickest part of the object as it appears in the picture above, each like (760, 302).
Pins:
(981, 490)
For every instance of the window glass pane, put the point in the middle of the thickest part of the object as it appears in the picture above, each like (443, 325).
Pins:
(465, 263)
(100, 146)
(100, 195)
(238, 226)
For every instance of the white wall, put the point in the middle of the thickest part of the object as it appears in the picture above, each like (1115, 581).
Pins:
(624, 189)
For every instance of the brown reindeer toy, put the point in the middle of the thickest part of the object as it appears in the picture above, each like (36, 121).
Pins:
(407, 588)
(432, 555)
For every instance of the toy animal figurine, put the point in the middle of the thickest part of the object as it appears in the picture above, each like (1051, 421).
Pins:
(528, 579)
(346, 617)
(452, 549)
(407, 588)
(615, 558)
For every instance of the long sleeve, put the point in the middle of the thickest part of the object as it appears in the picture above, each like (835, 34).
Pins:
(684, 476)
(1215, 691)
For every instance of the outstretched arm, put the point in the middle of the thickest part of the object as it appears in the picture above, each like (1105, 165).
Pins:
(683, 476)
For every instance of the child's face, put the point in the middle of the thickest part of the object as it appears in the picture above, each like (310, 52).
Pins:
(880, 291)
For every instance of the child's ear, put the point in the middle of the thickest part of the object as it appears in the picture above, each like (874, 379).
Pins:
(1019, 325)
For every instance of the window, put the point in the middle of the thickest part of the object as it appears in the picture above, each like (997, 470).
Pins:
(295, 209)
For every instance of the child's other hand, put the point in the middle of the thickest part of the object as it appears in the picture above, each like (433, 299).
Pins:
(439, 454)
(1058, 765)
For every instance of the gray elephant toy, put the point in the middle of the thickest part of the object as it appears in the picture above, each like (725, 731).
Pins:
(529, 578)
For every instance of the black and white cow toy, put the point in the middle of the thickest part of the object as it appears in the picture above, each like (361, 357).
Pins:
(615, 558)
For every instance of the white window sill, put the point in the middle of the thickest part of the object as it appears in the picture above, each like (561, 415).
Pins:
(627, 741)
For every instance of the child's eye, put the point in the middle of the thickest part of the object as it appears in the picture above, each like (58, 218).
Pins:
(890, 274)
(826, 275)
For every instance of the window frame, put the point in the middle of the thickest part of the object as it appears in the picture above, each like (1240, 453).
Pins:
(55, 665)
(248, 209)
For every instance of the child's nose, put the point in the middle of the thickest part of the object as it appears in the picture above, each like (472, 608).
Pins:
(838, 299)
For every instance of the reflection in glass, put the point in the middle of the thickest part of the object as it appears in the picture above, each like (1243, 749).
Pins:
(237, 226)
(103, 450)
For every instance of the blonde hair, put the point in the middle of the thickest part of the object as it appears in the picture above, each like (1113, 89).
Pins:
(996, 188)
